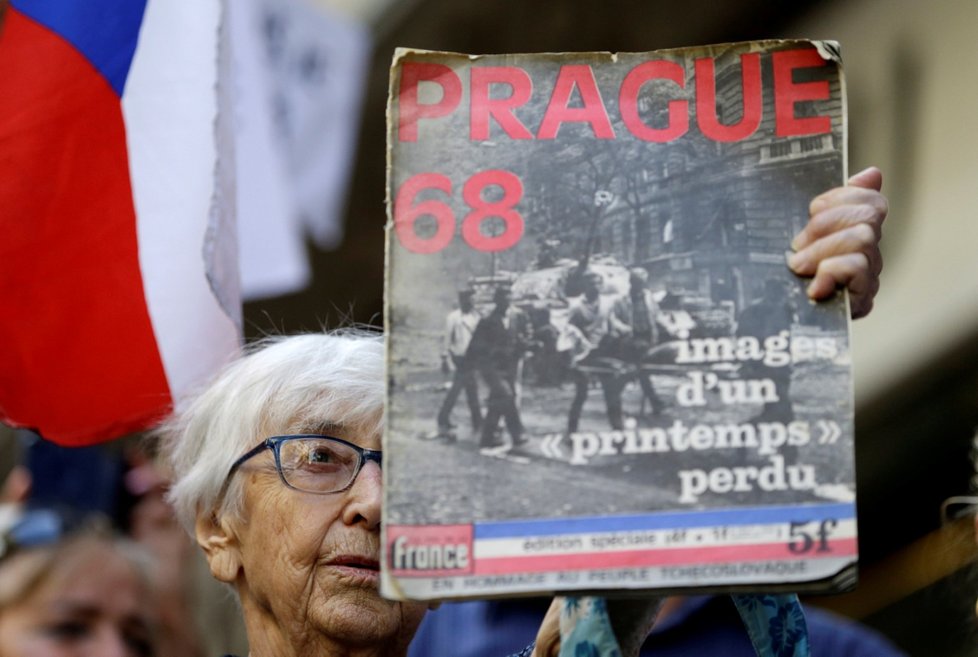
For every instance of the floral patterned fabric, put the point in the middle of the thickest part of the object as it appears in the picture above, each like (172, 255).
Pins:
(585, 629)
(775, 625)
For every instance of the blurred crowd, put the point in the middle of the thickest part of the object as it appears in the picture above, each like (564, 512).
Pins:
(93, 562)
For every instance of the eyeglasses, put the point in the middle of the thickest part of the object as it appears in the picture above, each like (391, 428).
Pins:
(313, 463)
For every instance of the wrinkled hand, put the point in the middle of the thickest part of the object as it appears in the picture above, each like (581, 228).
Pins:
(840, 245)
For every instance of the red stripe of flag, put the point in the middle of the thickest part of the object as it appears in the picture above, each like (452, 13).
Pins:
(78, 357)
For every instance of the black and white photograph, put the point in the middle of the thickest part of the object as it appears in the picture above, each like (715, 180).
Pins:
(619, 333)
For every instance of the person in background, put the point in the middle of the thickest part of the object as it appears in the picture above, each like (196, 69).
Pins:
(154, 527)
(588, 316)
(459, 326)
(60, 555)
(633, 328)
(87, 594)
(498, 346)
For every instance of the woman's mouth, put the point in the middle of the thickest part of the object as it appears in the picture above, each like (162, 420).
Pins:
(356, 567)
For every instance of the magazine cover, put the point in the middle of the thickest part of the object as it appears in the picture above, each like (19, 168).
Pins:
(601, 373)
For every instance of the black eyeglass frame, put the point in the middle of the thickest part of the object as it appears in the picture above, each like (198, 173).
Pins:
(274, 443)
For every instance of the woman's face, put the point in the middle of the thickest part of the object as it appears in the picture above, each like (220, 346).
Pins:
(91, 604)
(310, 563)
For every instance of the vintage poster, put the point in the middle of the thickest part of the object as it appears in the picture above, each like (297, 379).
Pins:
(601, 373)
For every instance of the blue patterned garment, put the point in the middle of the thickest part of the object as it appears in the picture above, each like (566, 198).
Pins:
(585, 629)
(775, 624)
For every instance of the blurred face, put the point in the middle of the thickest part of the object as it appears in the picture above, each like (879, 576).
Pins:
(309, 563)
(93, 604)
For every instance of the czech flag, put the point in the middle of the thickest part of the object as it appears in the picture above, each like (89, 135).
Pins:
(118, 283)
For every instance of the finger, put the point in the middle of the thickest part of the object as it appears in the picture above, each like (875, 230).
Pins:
(849, 195)
(848, 207)
(860, 306)
(838, 218)
(862, 189)
(860, 238)
(869, 178)
(864, 185)
(851, 272)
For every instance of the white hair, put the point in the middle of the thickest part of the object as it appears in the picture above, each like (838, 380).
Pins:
(291, 384)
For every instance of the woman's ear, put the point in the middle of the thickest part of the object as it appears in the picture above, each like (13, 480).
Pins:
(217, 538)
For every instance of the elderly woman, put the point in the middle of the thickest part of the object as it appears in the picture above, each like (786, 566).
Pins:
(278, 476)
(292, 523)
(277, 465)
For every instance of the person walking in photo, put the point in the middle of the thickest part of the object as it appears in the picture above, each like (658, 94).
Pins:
(633, 332)
(460, 324)
(498, 345)
(589, 320)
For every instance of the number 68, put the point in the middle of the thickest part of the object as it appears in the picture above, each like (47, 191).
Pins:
(407, 210)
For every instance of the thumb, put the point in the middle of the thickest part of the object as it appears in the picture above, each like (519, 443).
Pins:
(869, 178)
